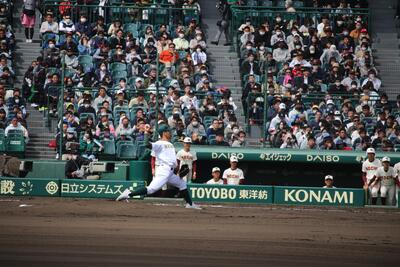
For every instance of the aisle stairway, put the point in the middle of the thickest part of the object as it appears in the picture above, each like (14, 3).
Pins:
(39, 134)
(386, 45)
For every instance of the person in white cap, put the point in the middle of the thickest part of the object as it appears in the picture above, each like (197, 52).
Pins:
(369, 168)
(233, 175)
(329, 182)
(386, 176)
(216, 177)
(396, 169)
(189, 157)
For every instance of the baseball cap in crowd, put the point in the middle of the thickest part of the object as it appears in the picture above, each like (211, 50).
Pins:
(386, 159)
(330, 102)
(187, 140)
(371, 150)
(216, 169)
(70, 130)
(282, 106)
(234, 159)
(120, 92)
(329, 177)
(139, 79)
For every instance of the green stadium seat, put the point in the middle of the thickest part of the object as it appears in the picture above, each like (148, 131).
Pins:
(109, 149)
(126, 151)
(117, 66)
(85, 59)
(15, 143)
(2, 141)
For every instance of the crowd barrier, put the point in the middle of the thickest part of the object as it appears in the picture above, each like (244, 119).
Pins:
(243, 194)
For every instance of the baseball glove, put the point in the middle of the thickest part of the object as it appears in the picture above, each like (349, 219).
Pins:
(183, 171)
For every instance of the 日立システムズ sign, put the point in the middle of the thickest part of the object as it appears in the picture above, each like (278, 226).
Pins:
(231, 193)
(97, 188)
(29, 187)
(318, 196)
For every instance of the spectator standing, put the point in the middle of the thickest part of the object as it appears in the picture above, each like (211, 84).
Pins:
(233, 175)
(223, 24)
(28, 19)
(216, 177)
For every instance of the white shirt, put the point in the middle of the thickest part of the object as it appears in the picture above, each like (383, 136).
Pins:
(387, 177)
(328, 187)
(211, 181)
(164, 152)
(233, 176)
(186, 157)
(370, 168)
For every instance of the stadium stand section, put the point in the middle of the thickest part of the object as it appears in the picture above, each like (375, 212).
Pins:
(315, 70)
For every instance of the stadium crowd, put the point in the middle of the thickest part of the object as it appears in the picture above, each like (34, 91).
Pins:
(13, 125)
(317, 75)
(111, 81)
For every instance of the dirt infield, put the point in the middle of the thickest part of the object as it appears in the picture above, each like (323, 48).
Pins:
(69, 232)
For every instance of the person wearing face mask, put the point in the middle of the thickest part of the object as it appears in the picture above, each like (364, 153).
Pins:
(124, 128)
(281, 53)
(262, 37)
(278, 36)
(88, 144)
(83, 27)
(51, 54)
(180, 42)
(195, 127)
(246, 37)
(66, 24)
(376, 82)
(199, 57)
(71, 60)
(337, 87)
(16, 101)
(104, 123)
(232, 124)
(197, 41)
(348, 81)
(240, 141)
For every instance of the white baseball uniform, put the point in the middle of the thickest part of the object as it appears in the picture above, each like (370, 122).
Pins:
(396, 169)
(187, 158)
(211, 181)
(370, 169)
(233, 177)
(166, 163)
(165, 187)
(388, 186)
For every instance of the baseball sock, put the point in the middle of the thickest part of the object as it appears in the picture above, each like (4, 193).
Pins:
(186, 196)
(374, 199)
(383, 200)
(139, 192)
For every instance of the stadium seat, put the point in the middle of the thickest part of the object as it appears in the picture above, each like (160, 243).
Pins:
(126, 151)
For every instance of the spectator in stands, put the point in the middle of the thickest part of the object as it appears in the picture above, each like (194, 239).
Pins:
(216, 177)
(3, 118)
(139, 100)
(124, 128)
(180, 42)
(70, 59)
(88, 146)
(114, 27)
(195, 127)
(104, 122)
(66, 25)
(15, 125)
(49, 27)
(240, 141)
(169, 58)
(28, 19)
(219, 139)
(83, 27)
(233, 175)
(247, 24)
(373, 79)
(250, 66)
(281, 53)
(199, 57)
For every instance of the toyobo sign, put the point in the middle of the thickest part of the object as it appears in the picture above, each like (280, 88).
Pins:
(230, 193)
(96, 189)
(29, 187)
(318, 196)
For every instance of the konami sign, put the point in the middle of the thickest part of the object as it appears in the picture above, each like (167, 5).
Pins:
(318, 196)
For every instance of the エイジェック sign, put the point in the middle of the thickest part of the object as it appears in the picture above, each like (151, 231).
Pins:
(318, 196)
(229, 193)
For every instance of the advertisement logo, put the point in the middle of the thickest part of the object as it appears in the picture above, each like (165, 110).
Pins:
(52, 188)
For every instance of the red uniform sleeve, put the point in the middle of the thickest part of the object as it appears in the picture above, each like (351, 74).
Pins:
(194, 166)
(153, 163)
(241, 181)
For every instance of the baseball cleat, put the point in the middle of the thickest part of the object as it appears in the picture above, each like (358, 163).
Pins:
(193, 206)
(124, 195)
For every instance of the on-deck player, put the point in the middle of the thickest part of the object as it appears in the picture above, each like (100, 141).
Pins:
(233, 175)
(167, 163)
(386, 176)
(189, 157)
(369, 167)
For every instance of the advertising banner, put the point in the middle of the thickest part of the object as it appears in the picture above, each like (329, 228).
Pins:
(318, 196)
(231, 193)
(29, 187)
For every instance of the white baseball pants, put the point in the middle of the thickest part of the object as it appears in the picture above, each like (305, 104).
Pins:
(389, 193)
(165, 175)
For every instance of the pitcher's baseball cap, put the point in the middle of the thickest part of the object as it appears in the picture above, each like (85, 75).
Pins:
(234, 159)
(187, 140)
(386, 159)
(216, 169)
(371, 150)
(329, 177)
(163, 128)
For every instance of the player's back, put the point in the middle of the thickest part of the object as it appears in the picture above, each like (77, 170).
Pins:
(165, 153)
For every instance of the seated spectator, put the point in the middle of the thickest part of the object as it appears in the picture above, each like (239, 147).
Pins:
(124, 128)
(66, 25)
(372, 78)
(71, 60)
(219, 140)
(104, 123)
(49, 26)
(233, 175)
(240, 141)
(216, 177)
(83, 27)
(15, 125)
(250, 66)
(88, 146)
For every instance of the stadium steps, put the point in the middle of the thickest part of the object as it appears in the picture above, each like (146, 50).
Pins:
(386, 45)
